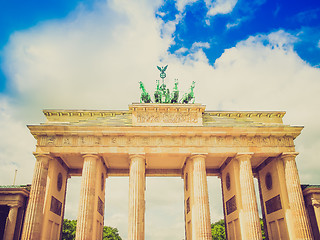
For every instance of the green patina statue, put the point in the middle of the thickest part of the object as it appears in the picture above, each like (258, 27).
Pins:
(162, 71)
(145, 97)
(157, 94)
(187, 97)
(162, 94)
(175, 94)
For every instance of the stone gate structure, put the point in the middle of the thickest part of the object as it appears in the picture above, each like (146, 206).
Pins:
(181, 140)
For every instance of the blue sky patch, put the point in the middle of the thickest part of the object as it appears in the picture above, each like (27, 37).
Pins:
(221, 31)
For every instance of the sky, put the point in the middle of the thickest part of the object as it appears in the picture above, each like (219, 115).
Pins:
(243, 55)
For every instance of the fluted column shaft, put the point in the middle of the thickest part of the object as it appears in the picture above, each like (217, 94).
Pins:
(316, 207)
(86, 212)
(250, 225)
(301, 225)
(11, 223)
(201, 212)
(136, 197)
(34, 215)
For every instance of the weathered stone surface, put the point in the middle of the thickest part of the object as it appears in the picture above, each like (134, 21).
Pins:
(250, 222)
(136, 197)
(300, 221)
(169, 140)
(32, 228)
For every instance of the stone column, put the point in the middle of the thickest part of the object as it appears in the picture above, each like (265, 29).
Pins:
(250, 222)
(85, 220)
(137, 183)
(11, 223)
(301, 225)
(316, 207)
(200, 210)
(34, 215)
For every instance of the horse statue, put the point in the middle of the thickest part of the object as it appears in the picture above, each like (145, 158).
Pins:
(187, 97)
(165, 93)
(175, 93)
(145, 97)
(157, 94)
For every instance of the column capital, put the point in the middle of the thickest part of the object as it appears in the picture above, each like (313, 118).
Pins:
(289, 155)
(44, 157)
(315, 202)
(142, 156)
(14, 205)
(244, 155)
(196, 155)
(90, 154)
(42, 154)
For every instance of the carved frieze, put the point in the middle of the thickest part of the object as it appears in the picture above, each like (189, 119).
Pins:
(186, 141)
(167, 115)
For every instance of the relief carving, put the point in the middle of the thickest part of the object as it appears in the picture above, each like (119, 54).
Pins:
(220, 140)
(97, 141)
(190, 141)
(83, 140)
(176, 141)
(66, 141)
(51, 140)
(205, 141)
(129, 140)
(266, 141)
(145, 141)
(167, 117)
(251, 141)
(236, 141)
(160, 141)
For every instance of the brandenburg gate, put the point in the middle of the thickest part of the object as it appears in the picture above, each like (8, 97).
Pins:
(177, 140)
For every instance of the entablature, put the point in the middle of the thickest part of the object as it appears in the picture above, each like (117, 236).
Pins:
(142, 114)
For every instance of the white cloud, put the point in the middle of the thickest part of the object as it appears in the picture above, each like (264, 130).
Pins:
(95, 59)
(216, 7)
(198, 45)
(161, 14)
(181, 50)
(318, 44)
(181, 4)
(90, 60)
(16, 145)
(231, 25)
(273, 77)
(234, 24)
(168, 29)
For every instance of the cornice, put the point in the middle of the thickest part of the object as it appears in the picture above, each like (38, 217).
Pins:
(293, 131)
(136, 111)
